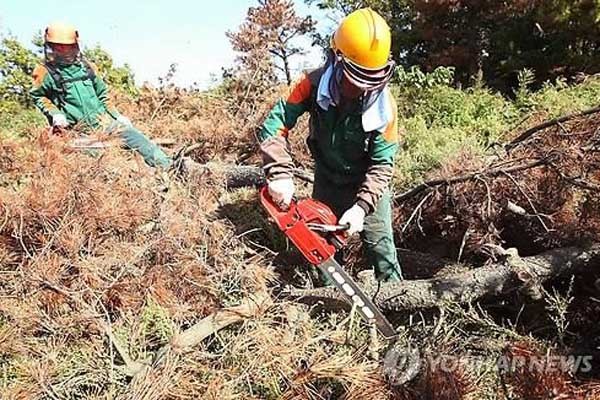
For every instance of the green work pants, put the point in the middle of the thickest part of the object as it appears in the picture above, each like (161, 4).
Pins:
(137, 141)
(377, 236)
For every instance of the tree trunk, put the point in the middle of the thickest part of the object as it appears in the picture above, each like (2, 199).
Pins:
(236, 176)
(286, 67)
(514, 273)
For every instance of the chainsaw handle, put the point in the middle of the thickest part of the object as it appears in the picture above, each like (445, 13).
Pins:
(328, 228)
(316, 246)
(264, 193)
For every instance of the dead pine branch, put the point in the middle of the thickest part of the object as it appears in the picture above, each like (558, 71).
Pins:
(184, 341)
(556, 121)
(533, 208)
(416, 211)
(248, 308)
(464, 178)
(131, 367)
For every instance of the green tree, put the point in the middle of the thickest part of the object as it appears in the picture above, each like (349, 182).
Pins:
(16, 66)
(17, 63)
(499, 39)
(398, 13)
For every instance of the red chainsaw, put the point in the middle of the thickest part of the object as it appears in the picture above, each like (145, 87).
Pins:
(314, 230)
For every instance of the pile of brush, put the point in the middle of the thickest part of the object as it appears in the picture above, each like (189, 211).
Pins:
(539, 192)
(90, 241)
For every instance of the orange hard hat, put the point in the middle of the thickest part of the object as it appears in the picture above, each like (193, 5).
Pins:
(61, 33)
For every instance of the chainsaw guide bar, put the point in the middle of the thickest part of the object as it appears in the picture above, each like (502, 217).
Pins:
(313, 228)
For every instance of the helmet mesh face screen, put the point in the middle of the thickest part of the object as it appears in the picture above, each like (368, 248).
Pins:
(365, 78)
(61, 54)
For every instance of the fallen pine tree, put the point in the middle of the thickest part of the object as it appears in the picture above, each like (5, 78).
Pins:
(541, 197)
(513, 273)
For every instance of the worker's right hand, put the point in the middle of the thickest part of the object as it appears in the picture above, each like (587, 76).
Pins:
(281, 191)
(59, 121)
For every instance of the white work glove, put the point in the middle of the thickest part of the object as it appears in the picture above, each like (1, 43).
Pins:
(124, 120)
(60, 121)
(281, 191)
(355, 217)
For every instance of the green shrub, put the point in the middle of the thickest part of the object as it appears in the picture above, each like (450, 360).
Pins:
(117, 78)
(16, 66)
(17, 120)
(156, 323)
(425, 148)
(559, 98)
(441, 121)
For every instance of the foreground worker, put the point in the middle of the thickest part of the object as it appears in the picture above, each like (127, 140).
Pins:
(353, 136)
(68, 90)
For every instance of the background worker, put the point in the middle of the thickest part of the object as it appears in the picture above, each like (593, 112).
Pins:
(68, 90)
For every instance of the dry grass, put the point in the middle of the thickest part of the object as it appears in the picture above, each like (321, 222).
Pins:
(89, 242)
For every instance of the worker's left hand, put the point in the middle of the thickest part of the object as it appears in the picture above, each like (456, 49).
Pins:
(355, 217)
(124, 120)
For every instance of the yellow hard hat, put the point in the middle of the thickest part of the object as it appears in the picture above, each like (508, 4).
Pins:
(61, 33)
(364, 38)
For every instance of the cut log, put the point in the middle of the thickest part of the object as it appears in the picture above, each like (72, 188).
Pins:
(462, 288)
(237, 176)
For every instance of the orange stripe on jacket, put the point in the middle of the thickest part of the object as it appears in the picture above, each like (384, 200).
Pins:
(283, 131)
(48, 104)
(39, 73)
(301, 91)
(391, 132)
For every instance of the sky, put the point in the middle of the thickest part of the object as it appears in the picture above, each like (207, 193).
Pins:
(150, 35)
